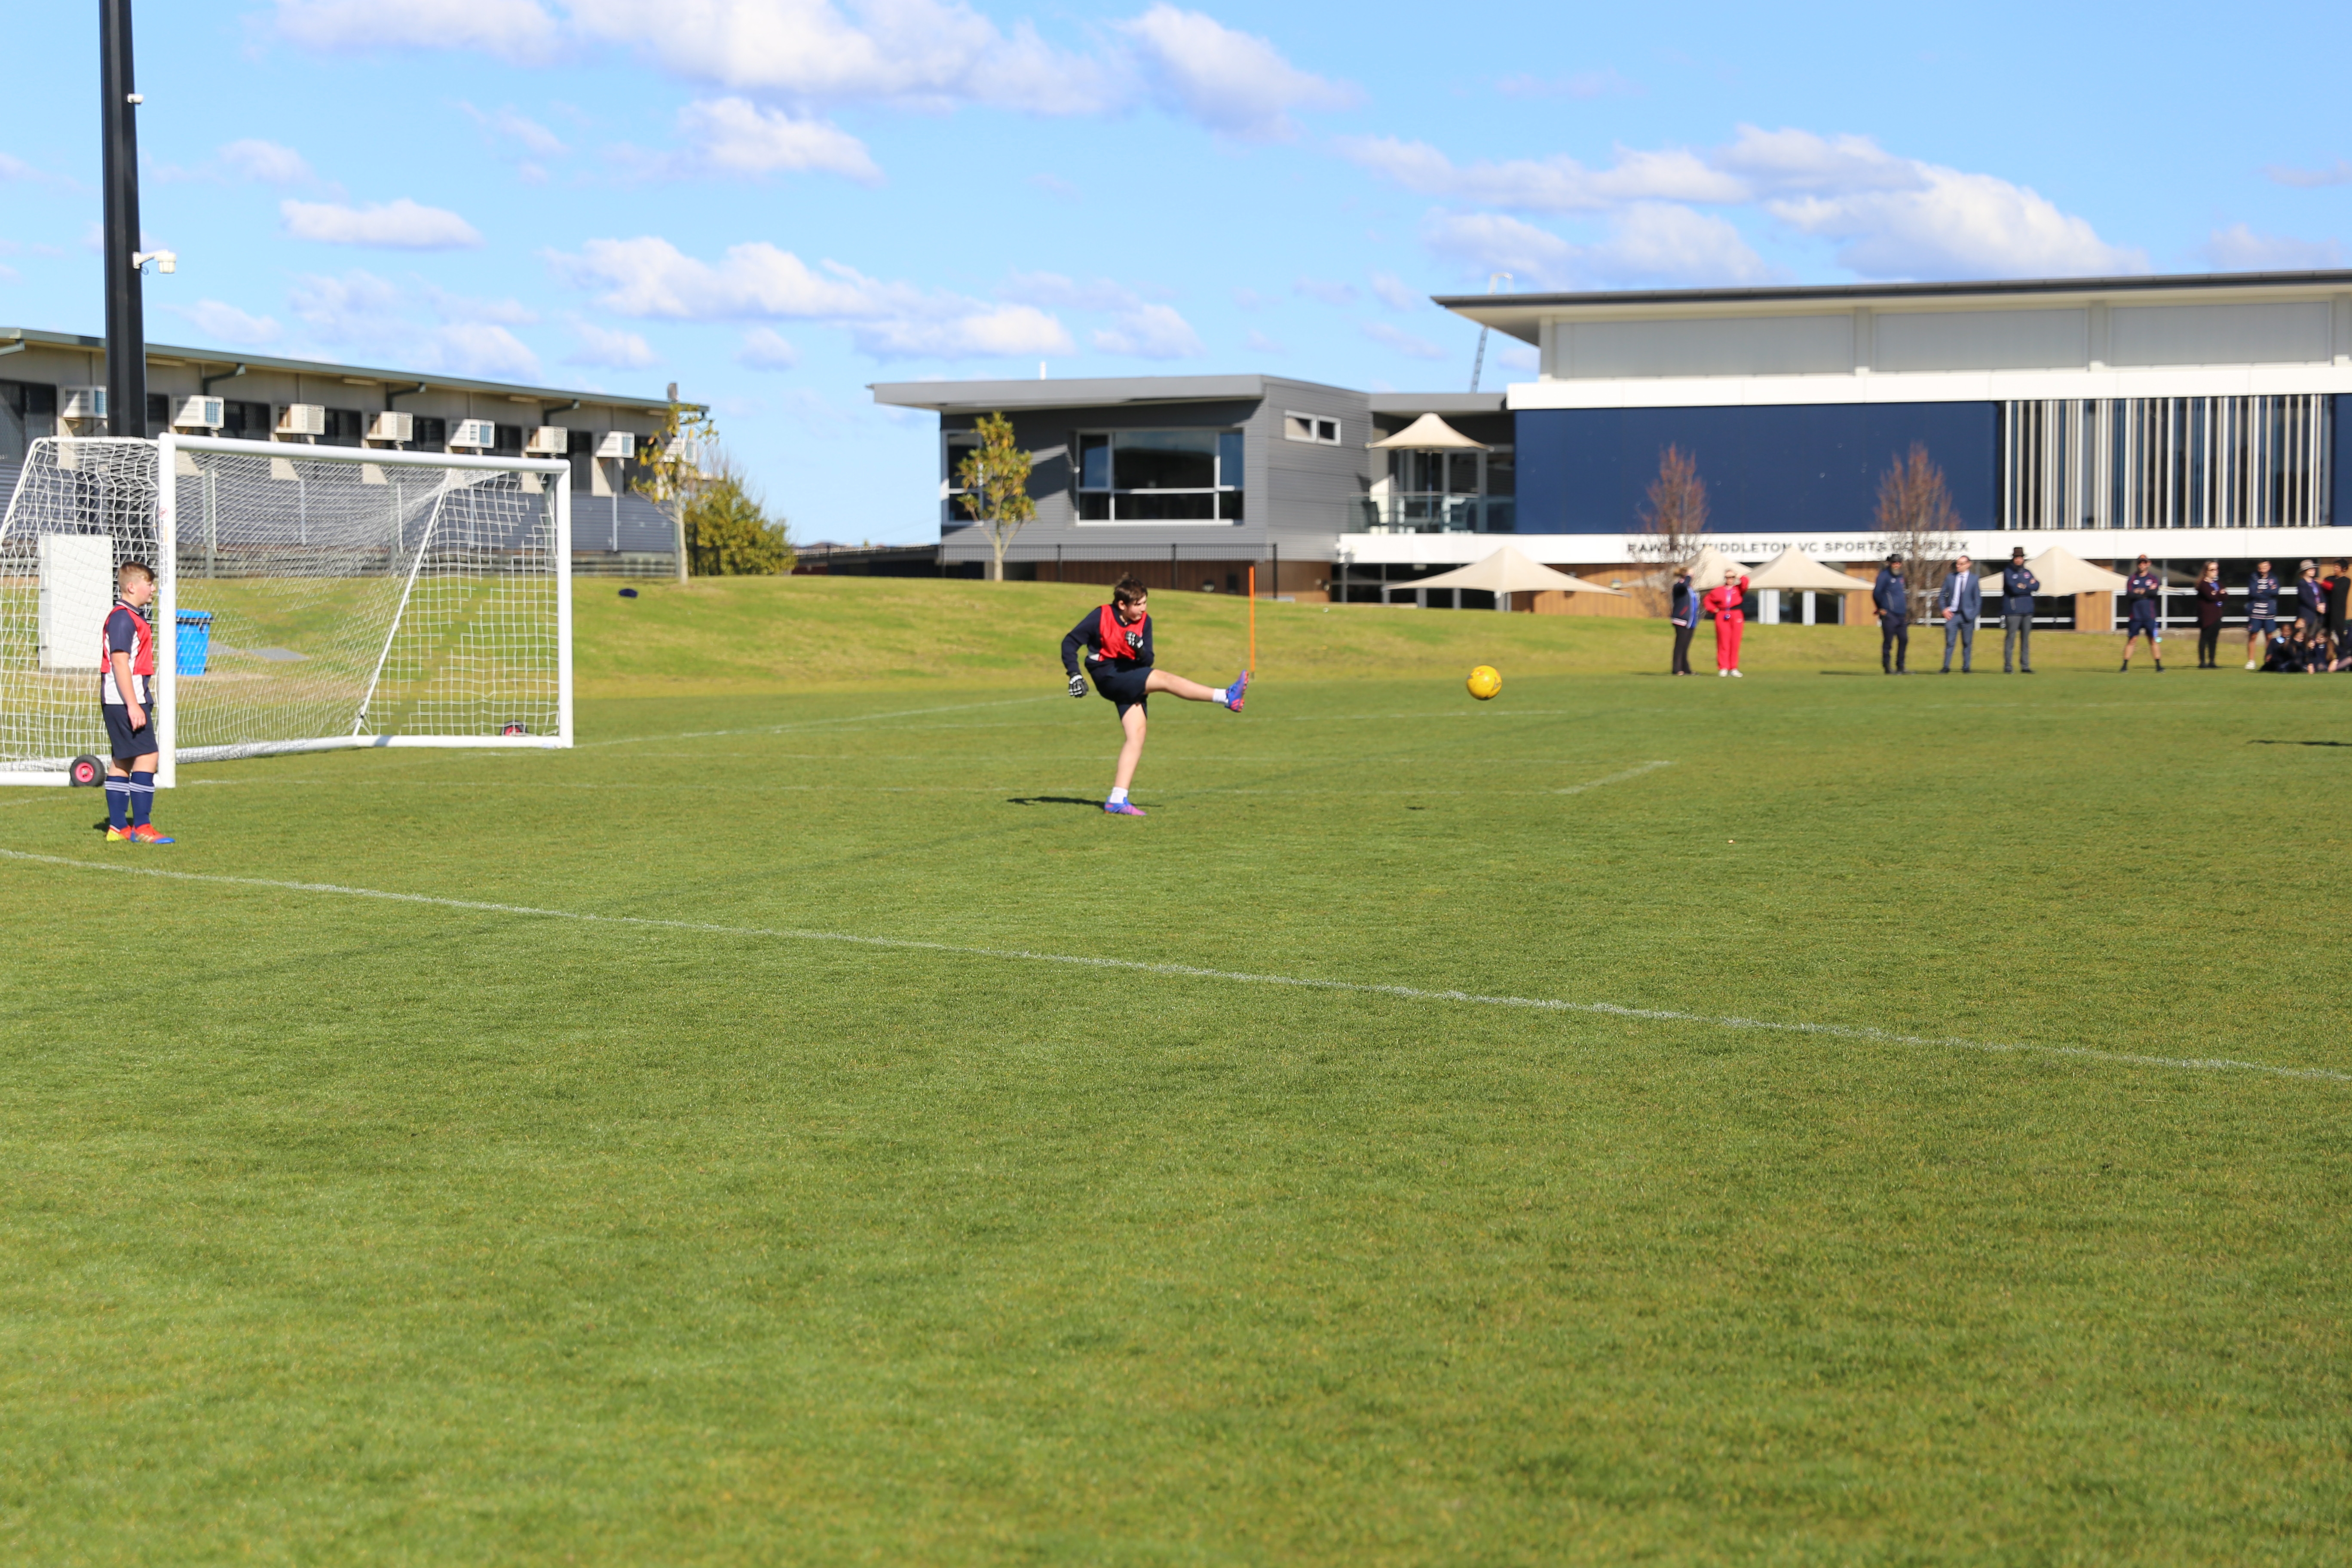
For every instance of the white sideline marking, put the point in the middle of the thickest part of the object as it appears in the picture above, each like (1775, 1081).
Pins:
(1189, 971)
(1614, 778)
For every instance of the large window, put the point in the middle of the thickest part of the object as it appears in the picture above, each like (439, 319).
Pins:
(1446, 492)
(29, 411)
(245, 421)
(345, 427)
(2167, 462)
(1160, 476)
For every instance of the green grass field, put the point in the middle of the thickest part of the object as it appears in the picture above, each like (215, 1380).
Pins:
(597, 1200)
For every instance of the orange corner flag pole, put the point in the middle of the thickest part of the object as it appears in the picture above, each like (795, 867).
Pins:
(1253, 585)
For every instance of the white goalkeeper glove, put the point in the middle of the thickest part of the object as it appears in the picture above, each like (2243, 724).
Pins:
(1078, 686)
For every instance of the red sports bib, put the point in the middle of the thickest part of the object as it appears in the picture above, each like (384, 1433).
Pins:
(1114, 635)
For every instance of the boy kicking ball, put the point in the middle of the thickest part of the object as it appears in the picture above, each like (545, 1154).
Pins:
(1118, 639)
(127, 698)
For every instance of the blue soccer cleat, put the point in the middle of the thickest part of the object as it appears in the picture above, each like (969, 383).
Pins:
(1124, 809)
(1232, 695)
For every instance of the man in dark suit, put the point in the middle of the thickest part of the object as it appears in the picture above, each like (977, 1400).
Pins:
(1890, 596)
(1962, 602)
(2018, 587)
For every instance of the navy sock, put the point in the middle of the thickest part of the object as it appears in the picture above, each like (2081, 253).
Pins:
(142, 795)
(117, 802)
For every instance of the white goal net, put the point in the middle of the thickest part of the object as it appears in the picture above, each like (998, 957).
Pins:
(307, 597)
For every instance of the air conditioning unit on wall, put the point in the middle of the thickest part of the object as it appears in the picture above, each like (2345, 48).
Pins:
(82, 403)
(198, 414)
(303, 419)
(617, 444)
(476, 435)
(549, 441)
(393, 426)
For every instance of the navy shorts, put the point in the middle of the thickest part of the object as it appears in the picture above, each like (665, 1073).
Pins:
(1124, 687)
(125, 743)
(2143, 620)
(2265, 625)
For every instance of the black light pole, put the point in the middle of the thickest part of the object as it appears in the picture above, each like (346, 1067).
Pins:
(126, 319)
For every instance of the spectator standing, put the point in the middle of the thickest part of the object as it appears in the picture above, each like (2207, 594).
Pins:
(1684, 617)
(2018, 587)
(2144, 589)
(1962, 602)
(1890, 600)
(2262, 613)
(2338, 589)
(2212, 597)
(1724, 604)
(2310, 599)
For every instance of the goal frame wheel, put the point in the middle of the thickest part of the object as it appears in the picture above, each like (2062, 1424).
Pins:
(86, 772)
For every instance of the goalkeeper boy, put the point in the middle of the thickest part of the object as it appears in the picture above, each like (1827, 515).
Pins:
(126, 698)
(1117, 640)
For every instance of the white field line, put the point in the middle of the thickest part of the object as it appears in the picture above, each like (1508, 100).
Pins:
(814, 723)
(1189, 971)
(1633, 773)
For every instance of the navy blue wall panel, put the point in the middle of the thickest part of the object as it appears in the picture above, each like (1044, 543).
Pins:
(2342, 515)
(1795, 470)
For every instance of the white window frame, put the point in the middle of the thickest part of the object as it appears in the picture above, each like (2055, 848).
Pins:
(1235, 486)
(1322, 429)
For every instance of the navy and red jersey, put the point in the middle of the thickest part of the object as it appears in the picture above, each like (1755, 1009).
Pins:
(2144, 589)
(1108, 644)
(126, 631)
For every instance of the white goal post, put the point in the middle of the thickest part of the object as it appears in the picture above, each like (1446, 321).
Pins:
(307, 598)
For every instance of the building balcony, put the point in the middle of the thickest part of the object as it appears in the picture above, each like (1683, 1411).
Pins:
(1429, 512)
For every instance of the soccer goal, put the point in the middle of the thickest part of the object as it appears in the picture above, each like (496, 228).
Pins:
(307, 598)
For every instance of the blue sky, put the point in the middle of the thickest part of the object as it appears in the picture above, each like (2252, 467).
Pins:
(776, 202)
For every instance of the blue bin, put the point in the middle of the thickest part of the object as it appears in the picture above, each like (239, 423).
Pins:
(194, 642)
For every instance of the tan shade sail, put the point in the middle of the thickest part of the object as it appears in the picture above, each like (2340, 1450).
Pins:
(1428, 434)
(1710, 567)
(1794, 571)
(1508, 571)
(2064, 572)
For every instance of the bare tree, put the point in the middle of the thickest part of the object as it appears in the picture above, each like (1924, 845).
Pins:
(1672, 525)
(1914, 512)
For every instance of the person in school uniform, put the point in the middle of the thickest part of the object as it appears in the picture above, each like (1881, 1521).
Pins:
(2262, 613)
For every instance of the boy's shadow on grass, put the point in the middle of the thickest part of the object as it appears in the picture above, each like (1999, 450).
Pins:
(2299, 742)
(1054, 800)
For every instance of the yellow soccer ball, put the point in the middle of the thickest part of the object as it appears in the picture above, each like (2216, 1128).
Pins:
(1485, 681)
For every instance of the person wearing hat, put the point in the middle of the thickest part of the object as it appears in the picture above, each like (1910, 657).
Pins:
(1684, 616)
(2018, 587)
(1890, 599)
(2144, 591)
(2310, 598)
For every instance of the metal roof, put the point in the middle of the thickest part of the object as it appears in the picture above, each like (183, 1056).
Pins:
(1079, 392)
(166, 352)
(1521, 314)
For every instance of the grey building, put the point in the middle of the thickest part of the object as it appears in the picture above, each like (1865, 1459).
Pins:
(53, 383)
(1191, 482)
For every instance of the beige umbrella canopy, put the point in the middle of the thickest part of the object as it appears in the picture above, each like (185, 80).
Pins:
(1506, 572)
(2064, 572)
(1428, 434)
(1794, 571)
(1709, 568)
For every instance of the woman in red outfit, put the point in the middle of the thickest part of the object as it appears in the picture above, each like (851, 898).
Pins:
(1724, 604)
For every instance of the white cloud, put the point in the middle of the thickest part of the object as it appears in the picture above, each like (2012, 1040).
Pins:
(2338, 173)
(1151, 332)
(733, 135)
(1257, 342)
(1889, 216)
(1404, 342)
(13, 168)
(1654, 243)
(1604, 83)
(1054, 289)
(361, 313)
(1329, 291)
(508, 125)
(401, 225)
(254, 158)
(1250, 299)
(926, 53)
(1389, 290)
(517, 30)
(1233, 82)
(611, 347)
(224, 323)
(2239, 249)
(765, 348)
(1555, 185)
(649, 276)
